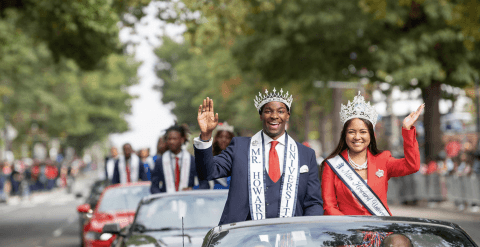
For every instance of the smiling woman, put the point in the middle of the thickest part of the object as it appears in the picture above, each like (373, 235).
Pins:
(355, 176)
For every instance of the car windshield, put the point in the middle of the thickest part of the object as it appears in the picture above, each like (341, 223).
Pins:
(123, 198)
(340, 234)
(198, 211)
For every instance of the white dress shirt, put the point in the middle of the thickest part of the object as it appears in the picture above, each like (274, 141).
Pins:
(267, 139)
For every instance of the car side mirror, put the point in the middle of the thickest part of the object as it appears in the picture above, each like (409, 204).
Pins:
(84, 208)
(113, 228)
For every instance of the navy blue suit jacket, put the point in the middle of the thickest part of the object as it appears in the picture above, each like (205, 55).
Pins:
(233, 161)
(158, 176)
(116, 173)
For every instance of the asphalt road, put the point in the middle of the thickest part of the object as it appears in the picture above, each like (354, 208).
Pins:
(50, 219)
(46, 219)
(40, 225)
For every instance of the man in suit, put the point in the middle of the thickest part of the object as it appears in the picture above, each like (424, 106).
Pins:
(271, 174)
(175, 169)
(110, 163)
(129, 167)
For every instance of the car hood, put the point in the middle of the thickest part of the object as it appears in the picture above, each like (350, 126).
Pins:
(100, 219)
(168, 238)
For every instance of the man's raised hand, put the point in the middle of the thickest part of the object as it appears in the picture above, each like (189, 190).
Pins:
(207, 119)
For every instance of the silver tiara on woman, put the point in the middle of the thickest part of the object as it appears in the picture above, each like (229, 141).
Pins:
(261, 100)
(358, 109)
(225, 127)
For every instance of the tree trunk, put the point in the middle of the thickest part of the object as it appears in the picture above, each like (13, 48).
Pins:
(335, 115)
(431, 118)
(321, 131)
(306, 118)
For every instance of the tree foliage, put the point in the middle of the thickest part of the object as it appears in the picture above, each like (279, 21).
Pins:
(290, 44)
(425, 44)
(62, 71)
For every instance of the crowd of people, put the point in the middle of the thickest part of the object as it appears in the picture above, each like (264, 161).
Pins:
(172, 168)
(22, 177)
(451, 176)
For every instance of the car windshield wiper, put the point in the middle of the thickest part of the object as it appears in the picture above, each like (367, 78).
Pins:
(162, 229)
(184, 235)
(198, 227)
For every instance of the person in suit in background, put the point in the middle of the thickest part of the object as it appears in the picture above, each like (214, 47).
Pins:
(161, 148)
(175, 169)
(272, 175)
(129, 168)
(110, 163)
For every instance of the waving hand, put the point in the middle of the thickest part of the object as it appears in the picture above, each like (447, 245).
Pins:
(207, 119)
(410, 120)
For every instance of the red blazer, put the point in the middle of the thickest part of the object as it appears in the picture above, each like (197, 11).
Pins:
(339, 200)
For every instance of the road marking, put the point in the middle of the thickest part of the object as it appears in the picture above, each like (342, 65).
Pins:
(72, 218)
(8, 210)
(57, 232)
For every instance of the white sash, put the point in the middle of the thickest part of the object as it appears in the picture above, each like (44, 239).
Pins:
(134, 166)
(358, 186)
(169, 169)
(256, 176)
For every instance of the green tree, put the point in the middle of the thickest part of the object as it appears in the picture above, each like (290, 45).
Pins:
(85, 31)
(53, 85)
(424, 44)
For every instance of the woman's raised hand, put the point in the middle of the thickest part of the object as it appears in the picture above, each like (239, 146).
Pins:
(410, 120)
(207, 119)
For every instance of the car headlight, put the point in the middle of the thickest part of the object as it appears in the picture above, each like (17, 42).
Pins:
(97, 236)
(105, 236)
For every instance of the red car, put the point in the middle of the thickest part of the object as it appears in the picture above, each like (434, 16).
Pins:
(117, 204)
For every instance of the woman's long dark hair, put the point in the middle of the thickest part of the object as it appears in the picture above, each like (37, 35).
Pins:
(342, 144)
(216, 148)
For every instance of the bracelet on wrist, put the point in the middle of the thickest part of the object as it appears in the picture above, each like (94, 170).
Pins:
(200, 137)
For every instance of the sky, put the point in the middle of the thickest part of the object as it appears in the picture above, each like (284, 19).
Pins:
(149, 117)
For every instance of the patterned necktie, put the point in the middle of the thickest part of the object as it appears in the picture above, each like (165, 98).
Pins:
(273, 163)
(177, 174)
(128, 171)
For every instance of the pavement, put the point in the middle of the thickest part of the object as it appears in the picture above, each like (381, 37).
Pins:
(47, 218)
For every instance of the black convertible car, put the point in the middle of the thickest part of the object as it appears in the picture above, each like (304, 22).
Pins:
(338, 231)
(158, 220)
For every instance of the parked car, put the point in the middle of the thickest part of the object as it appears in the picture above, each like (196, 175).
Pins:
(92, 199)
(338, 231)
(160, 218)
(116, 204)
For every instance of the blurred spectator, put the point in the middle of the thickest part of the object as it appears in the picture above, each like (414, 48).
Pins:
(221, 140)
(35, 183)
(110, 163)
(147, 163)
(128, 169)
(161, 148)
(3, 184)
(51, 173)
